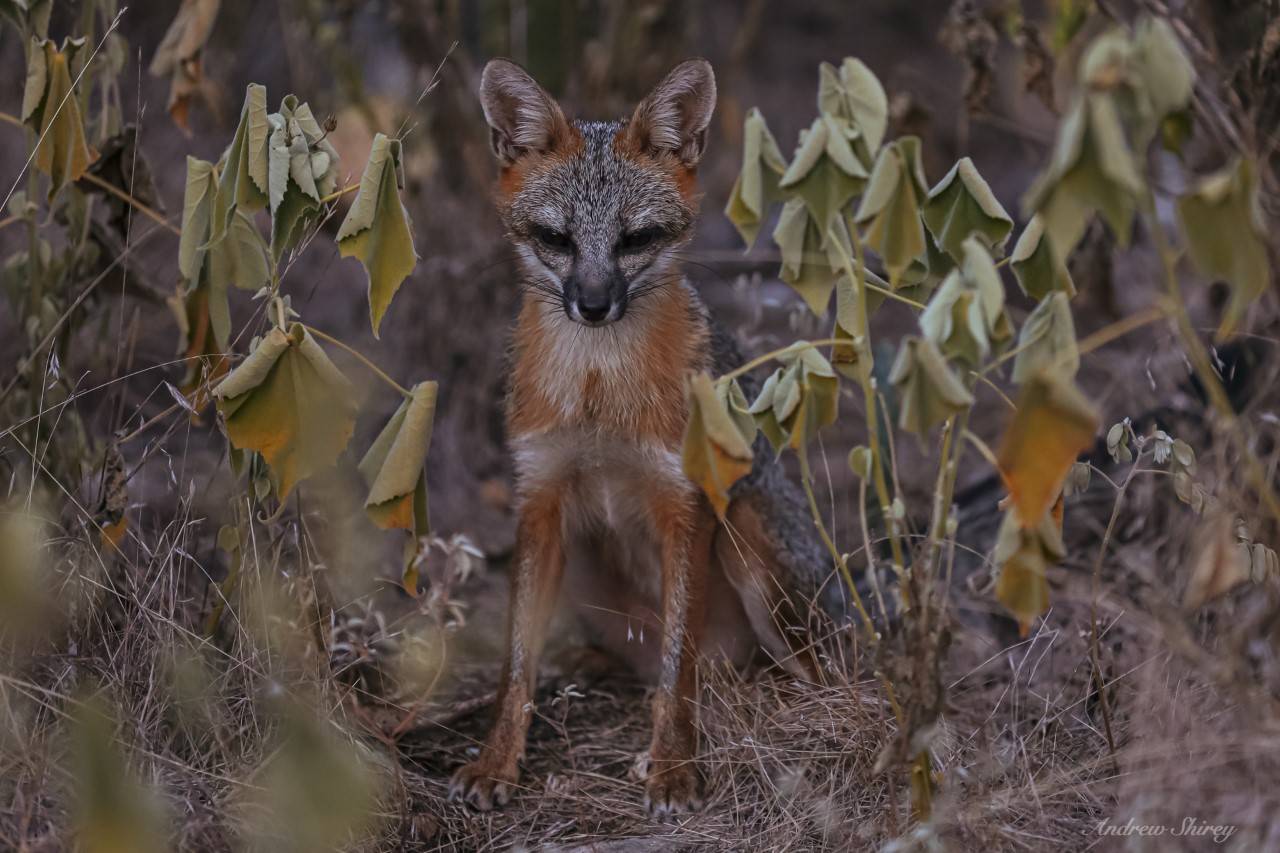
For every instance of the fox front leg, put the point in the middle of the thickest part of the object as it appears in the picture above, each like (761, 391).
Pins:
(535, 583)
(686, 529)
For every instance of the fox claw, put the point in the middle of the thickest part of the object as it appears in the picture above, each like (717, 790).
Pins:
(481, 787)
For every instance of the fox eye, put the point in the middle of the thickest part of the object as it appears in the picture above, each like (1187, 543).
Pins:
(556, 241)
(634, 241)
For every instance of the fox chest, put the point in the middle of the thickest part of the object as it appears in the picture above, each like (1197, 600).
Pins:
(610, 494)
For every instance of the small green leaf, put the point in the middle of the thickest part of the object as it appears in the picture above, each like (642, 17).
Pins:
(1037, 265)
(1047, 340)
(962, 205)
(1166, 71)
(860, 462)
(966, 317)
(716, 453)
(890, 208)
(376, 229)
(197, 217)
(757, 185)
(290, 403)
(1225, 231)
(928, 391)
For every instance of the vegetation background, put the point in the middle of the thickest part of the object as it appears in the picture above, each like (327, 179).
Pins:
(311, 704)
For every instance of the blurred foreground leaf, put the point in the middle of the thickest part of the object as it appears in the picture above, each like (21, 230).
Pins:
(1053, 424)
(116, 814)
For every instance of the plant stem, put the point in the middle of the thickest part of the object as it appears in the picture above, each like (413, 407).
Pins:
(337, 194)
(806, 479)
(377, 371)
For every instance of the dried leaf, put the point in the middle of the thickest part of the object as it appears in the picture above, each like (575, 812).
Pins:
(1226, 235)
(179, 54)
(50, 107)
(966, 317)
(290, 403)
(1053, 424)
(716, 454)
(116, 813)
(1047, 340)
(1024, 555)
(890, 208)
(243, 183)
(806, 266)
(1037, 265)
(963, 205)
(757, 185)
(928, 391)
(376, 229)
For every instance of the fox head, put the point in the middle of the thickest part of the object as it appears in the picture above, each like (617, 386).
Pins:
(597, 209)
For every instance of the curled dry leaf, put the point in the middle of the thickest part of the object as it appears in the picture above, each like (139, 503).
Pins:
(716, 451)
(1047, 340)
(1037, 265)
(890, 208)
(962, 205)
(376, 229)
(928, 390)
(757, 185)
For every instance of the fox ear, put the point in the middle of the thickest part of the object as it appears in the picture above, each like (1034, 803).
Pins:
(522, 117)
(674, 117)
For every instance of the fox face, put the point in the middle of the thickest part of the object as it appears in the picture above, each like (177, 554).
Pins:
(597, 210)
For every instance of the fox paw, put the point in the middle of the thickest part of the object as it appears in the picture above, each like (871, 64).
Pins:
(676, 789)
(482, 786)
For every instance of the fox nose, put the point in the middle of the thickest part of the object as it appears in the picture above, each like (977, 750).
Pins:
(594, 305)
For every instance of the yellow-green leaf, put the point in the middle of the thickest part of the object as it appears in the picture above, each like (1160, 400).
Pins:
(806, 266)
(715, 454)
(1037, 265)
(1167, 73)
(1047, 340)
(197, 207)
(966, 316)
(1222, 222)
(757, 184)
(1053, 424)
(240, 257)
(890, 208)
(393, 466)
(290, 403)
(51, 108)
(376, 229)
(1023, 556)
(963, 205)
(928, 391)
(115, 812)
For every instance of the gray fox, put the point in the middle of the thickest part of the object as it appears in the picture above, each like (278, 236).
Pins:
(607, 334)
